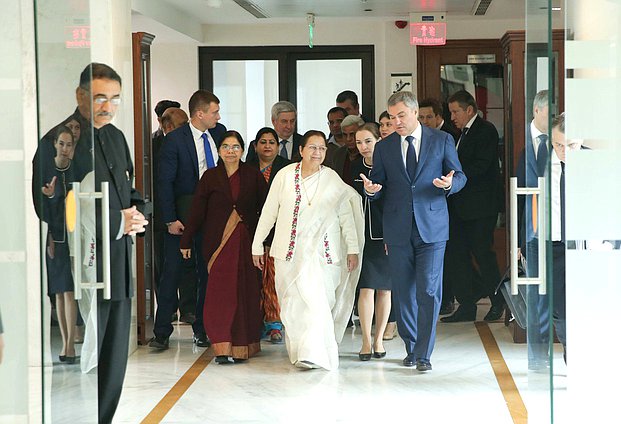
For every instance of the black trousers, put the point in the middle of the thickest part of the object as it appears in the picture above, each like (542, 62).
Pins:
(470, 239)
(172, 272)
(114, 318)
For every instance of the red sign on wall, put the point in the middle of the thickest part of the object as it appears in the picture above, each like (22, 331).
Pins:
(428, 34)
(78, 37)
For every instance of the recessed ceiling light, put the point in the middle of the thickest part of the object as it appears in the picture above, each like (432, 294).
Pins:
(556, 8)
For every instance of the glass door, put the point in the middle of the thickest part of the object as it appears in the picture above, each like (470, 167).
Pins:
(534, 232)
(67, 204)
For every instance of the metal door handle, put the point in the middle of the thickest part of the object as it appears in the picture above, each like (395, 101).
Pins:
(104, 195)
(540, 190)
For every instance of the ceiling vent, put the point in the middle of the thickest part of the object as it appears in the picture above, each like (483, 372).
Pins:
(480, 7)
(251, 8)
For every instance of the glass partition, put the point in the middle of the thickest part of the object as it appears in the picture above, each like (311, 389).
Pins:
(593, 228)
(63, 169)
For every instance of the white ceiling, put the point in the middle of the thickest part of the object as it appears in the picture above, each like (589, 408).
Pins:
(227, 11)
(212, 12)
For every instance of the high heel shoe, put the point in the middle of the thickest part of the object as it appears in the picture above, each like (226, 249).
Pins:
(62, 358)
(70, 360)
(364, 356)
(379, 355)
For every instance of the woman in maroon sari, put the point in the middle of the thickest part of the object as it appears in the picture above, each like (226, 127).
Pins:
(226, 207)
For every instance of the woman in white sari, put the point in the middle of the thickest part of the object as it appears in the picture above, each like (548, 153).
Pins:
(317, 245)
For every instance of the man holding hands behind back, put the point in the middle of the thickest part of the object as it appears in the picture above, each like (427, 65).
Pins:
(414, 170)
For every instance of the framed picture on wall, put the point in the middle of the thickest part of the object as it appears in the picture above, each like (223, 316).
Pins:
(400, 82)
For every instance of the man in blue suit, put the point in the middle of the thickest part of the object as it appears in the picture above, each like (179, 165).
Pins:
(414, 170)
(187, 152)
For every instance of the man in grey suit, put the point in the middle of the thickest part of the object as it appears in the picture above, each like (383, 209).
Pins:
(284, 119)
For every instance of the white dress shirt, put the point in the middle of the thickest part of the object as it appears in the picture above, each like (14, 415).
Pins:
(417, 134)
(288, 145)
(534, 135)
(468, 126)
(200, 149)
(555, 196)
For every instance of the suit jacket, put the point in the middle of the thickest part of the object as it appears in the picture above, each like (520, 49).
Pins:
(478, 155)
(113, 164)
(449, 128)
(251, 156)
(337, 163)
(178, 173)
(401, 196)
(213, 203)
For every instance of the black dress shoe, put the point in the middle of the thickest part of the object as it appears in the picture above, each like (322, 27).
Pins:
(160, 343)
(461, 315)
(495, 313)
(223, 360)
(379, 355)
(409, 361)
(447, 308)
(423, 365)
(188, 318)
(201, 340)
(364, 356)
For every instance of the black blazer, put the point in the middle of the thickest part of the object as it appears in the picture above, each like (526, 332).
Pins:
(449, 128)
(478, 155)
(251, 156)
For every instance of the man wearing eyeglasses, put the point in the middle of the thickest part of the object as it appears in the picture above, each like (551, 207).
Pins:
(102, 148)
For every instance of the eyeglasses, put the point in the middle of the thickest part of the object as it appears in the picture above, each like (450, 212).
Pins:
(314, 148)
(100, 100)
(234, 147)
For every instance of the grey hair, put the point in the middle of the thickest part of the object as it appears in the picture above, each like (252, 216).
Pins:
(406, 97)
(559, 122)
(352, 120)
(282, 107)
(541, 99)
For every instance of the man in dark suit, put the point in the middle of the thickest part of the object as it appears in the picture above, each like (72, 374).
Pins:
(431, 113)
(414, 170)
(188, 151)
(348, 100)
(473, 213)
(284, 118)
(98, 96)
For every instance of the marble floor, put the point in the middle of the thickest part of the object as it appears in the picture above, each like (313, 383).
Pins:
(268, 389)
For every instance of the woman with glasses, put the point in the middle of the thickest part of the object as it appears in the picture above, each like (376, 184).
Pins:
(269, 162)
(317, 245)
(226, 207)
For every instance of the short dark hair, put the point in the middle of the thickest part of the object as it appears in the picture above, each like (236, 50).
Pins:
(559, 122)
(311, 133)
(433, 104)
(464, 99)
(95, 71)
(228, 134)
(200, 99)
(347, 95)
(336, 109)
(384, 114)
(266, 130)
(162, 105)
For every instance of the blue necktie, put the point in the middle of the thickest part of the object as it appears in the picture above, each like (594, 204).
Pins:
(542, 154)
(410, 158)
(283, 149)
(208, 155)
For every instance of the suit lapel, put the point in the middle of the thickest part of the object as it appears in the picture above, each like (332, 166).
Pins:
(394, 143)
(188, 140)
(425, 145)
(108, 156)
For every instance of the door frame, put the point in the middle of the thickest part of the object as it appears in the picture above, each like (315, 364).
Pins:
(287, 57)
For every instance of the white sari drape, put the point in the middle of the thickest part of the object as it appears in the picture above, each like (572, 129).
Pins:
(315, 290)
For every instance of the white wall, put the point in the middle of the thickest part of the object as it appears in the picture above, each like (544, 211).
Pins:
(175, 66)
